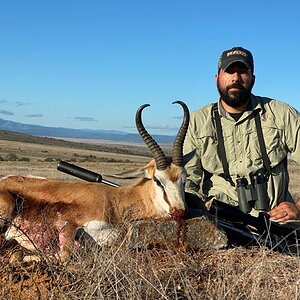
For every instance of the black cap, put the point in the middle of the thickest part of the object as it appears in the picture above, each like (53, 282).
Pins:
(236, 54)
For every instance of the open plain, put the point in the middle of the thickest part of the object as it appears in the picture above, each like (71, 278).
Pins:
(121, 273)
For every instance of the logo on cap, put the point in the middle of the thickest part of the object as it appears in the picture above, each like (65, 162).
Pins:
(236, 54)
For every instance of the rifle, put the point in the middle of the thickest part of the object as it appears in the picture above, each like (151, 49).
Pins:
(280, 237)
(242, 229)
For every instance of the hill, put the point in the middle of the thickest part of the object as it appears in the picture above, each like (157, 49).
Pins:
(123, 148)
(110, 135)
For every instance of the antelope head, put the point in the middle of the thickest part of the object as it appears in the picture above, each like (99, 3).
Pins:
(167, 174)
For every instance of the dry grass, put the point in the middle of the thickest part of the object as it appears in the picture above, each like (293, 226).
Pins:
(122, 273)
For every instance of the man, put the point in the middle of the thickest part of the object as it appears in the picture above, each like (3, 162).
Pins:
(253, 138)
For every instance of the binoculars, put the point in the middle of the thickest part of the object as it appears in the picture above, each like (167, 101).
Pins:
(253, 195)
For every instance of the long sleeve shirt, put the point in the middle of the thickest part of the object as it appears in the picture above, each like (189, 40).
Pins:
(280, 125)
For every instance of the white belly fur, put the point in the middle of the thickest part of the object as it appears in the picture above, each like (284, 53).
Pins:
(103, 233)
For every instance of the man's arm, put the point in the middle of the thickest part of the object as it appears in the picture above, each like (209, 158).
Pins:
(286, 211)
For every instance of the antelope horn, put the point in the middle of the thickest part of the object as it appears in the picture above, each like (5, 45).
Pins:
(159, 156)
(177, 155)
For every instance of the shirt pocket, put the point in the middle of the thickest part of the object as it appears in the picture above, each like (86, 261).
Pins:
(208, 145)
(275, 146)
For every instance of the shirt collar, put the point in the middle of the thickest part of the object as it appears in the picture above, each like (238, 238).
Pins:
(254, 105)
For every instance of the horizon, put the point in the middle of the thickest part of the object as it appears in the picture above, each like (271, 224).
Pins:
(90, 65)
(79, 129)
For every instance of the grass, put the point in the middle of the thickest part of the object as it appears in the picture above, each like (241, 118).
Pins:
(122, 273)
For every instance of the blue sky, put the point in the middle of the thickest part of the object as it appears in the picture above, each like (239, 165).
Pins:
(91, 64)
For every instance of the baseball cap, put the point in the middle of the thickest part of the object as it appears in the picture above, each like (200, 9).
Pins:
(236, 54)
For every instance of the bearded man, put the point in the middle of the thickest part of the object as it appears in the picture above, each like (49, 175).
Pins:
(241, 144)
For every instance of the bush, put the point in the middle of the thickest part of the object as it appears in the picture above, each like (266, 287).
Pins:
(49, 159)
(11, 157)
(24, 159)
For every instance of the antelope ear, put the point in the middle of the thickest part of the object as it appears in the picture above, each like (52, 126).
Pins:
(134, 173)
(187, 157)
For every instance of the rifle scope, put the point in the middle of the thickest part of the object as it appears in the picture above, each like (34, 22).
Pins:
(82, 173)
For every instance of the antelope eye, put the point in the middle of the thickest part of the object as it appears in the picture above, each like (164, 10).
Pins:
(158, 182)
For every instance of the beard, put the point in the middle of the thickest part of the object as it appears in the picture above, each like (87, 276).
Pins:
(235, 99)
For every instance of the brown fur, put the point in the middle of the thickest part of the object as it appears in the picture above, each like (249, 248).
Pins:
(174, 172)
(78, 201)
(59, 208)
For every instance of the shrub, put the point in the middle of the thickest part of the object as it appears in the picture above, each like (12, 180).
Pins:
(24, 159)
(11, 157)
(49, 159)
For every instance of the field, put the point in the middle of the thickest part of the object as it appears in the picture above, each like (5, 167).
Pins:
(121, 273)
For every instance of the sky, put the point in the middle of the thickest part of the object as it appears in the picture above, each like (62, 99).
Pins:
(91, 63)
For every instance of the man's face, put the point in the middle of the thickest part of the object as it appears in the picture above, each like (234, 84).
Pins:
(235, 84)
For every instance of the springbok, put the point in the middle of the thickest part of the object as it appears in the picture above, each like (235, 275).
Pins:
(43, 215)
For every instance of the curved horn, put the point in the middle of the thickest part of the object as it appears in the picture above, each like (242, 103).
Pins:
(159, 156)
(179, 140)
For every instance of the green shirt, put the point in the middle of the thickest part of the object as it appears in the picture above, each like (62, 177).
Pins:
(280, 125)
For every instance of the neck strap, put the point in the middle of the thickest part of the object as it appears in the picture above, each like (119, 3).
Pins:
(261, 141)
(221, 147)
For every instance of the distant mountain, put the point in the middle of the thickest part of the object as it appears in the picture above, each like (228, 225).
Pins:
(110, 135)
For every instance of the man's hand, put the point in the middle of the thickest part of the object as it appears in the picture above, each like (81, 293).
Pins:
(285, 211)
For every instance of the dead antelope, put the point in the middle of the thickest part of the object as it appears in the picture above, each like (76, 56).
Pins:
(40, 213)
